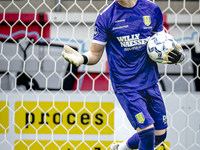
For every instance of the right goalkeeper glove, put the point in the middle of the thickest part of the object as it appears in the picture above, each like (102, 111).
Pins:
(74, 57)
(174, 55)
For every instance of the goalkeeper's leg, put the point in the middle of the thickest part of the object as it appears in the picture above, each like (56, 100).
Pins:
(133, 142)
(144, 118)
(136, 110)
(143, 140)
(140, 141)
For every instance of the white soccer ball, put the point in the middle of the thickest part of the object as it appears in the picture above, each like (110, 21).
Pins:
(158, 44)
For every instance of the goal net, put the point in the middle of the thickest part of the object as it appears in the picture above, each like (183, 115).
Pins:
(48, 104)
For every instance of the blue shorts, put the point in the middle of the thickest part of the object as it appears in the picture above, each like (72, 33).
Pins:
(144, 107)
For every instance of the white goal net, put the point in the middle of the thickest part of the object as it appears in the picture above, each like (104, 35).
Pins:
(48, 104)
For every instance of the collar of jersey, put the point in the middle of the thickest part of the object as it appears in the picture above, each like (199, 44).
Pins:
(125, 8)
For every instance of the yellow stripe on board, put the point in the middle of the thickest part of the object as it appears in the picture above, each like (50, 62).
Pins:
(4, 117)
(70, 145)
(63, 145)
(64, 117)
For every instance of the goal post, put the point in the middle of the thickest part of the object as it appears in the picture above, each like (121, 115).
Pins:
(48, 104)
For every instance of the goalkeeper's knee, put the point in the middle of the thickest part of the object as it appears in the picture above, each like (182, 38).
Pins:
(160, 138)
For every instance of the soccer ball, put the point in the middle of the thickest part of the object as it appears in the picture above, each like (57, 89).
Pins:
(158, 44)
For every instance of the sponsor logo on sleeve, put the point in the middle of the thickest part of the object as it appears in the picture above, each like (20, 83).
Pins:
(165, 119)
(96, 31)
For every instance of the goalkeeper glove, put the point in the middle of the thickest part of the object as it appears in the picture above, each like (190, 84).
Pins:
(174, 55)
(74, 57)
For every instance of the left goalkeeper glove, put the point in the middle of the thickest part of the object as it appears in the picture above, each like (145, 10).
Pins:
(174, 55)
(74, 57)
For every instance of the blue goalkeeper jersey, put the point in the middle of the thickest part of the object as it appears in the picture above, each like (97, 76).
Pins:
(125, 32)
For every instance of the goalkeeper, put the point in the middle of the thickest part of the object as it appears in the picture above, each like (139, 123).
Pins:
(123, 29)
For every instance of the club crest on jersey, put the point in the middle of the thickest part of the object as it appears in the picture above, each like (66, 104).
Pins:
(140, 117)
(147, 20)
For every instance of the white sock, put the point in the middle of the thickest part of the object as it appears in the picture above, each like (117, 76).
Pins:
(123, 146)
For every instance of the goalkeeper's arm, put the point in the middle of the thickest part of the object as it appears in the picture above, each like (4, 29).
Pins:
(174, 55)
(90, 58)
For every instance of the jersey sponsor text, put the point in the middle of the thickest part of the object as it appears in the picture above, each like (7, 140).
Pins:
(132, 40)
